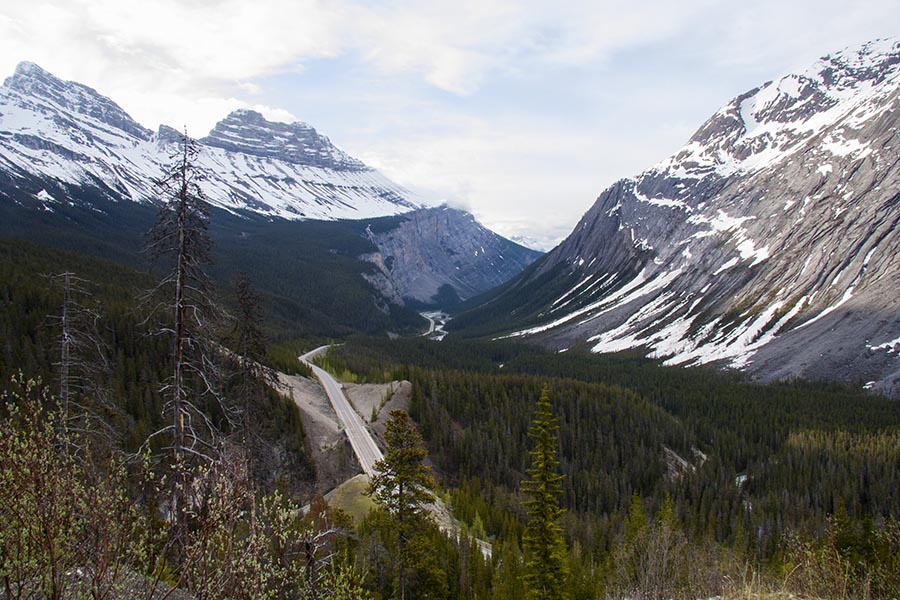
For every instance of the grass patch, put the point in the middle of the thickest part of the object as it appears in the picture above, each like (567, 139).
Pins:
(350, 497)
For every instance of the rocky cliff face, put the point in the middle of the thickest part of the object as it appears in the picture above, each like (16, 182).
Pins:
(248, 132)
(768, 243)
(69, 137)
(441, 255)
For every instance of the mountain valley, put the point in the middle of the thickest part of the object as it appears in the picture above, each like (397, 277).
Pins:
(285, 375)
(287, 206)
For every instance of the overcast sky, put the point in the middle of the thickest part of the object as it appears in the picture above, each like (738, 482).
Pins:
(522, 112)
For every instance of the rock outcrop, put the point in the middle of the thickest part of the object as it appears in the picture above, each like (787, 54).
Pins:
(441, 255)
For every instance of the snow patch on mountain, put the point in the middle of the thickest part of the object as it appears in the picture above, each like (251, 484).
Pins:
(768, 125)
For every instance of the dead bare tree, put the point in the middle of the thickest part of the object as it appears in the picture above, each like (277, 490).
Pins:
(183, 299)
(84, 361)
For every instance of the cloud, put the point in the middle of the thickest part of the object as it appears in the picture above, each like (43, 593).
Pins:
(535, 181)
(456, 45)
(274, 114)
(168, 60)
(250, 87)
(792, 35)
(215, 39)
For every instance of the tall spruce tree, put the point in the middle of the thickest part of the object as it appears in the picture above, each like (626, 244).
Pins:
(250, 377)
(545, 548)
(402, 486)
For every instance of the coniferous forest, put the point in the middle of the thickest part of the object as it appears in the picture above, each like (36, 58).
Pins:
(673, 482)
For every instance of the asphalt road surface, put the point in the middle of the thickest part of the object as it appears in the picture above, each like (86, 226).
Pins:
(367, 452)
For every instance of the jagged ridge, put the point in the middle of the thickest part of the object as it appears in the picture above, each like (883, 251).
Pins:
(248, 132)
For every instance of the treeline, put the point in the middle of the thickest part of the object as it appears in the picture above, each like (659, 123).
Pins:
(610, 439)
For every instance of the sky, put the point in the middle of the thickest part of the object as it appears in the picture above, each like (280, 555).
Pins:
(520, 112)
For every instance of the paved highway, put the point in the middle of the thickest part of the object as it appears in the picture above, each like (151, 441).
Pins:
(364, 446)
(367, 453)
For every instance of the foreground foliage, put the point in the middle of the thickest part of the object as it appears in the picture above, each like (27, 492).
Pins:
(73, 528)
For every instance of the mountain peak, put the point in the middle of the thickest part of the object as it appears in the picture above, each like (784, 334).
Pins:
(769, 123)
(248, 131)
(29, 69)
(31, 81)
(876, 52)
(247, 115)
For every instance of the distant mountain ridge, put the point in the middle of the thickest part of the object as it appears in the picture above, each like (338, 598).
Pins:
(248, 132)
(67, 133)
(769, 242)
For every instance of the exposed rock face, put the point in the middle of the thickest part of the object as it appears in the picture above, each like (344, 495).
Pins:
(248, 132)
(68, 135)
(768, 243)
(436, 247)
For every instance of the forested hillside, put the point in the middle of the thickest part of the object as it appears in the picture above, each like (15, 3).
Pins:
(749, 468)
(793, 485)
(126, 362)
(307, 271)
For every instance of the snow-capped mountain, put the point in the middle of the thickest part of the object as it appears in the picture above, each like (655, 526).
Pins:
(76, 171)
(70, 136)
(769, 242)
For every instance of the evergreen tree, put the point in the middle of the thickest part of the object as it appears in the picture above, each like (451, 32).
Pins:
(402, 486)
(545, 548)
(250, 377)
(247, 336)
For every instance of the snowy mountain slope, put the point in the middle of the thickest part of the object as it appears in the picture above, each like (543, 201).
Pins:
(769, 242)
(68, 134)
